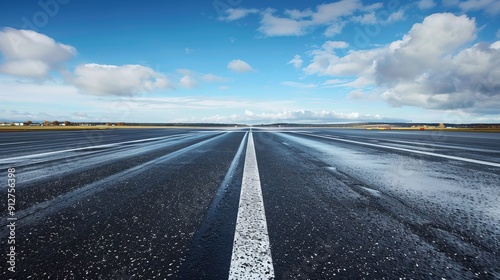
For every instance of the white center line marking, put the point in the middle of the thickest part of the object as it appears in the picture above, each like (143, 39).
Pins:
(251, 257)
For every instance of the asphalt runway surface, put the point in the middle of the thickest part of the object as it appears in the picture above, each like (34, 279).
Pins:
(247, 203)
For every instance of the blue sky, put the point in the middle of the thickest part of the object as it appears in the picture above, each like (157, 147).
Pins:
(250, 61)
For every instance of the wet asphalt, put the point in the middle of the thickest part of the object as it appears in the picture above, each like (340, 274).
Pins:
(162, 204)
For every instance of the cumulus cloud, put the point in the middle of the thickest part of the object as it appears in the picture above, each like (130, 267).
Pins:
(372, 7)
(326, 62)
(211, 78)
(30, 54)
(237, 13)
(432, 66)
(296, 61)
(334, 16)
(298, 14)
(298, 22)
(356, 94)
(272, 25)
(396, 16)
(305, 116)
(298, 85)
(490, 6)
(126, 80)
(331, 12)
(332, 82)
(335, 28)
(428, 42)
(188, 82)
(239, 66)
(469, 80)
(426, 4)
(369, 18)
(360, 82)
(190, 78)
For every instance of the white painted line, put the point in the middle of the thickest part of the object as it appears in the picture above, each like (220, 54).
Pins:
(482, 162)
(424, 144)
(251, 258)
(8, 160)
(37, 212)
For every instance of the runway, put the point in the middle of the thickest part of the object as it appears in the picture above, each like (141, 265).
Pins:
(296, 203)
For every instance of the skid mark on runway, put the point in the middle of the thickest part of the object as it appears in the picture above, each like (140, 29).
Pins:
(251, 258)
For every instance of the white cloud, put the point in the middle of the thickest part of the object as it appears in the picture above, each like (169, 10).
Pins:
(188, 50)
(335, 28)
(326, 62)
(56, 97)
(239, 66)
(304, 116)
(188, 82)
(296, 61)
(369, 18)
(30, 54)
(56, 101)
(126, 80)
(333, 82)
(211, 78)
(425, 47)
(328, 13)
(374, 18)
(331, 45)
(426, 4)
(491, 7)
(190, 78)
(432, 67)
(278, 26)
(298, 85)
(469, 5)
(360, 82)
(298, 14)
(297, 22)
(396, 16)
(237, 13)
(26, 68)
(356, 94)
(334, 16)
(372, 7)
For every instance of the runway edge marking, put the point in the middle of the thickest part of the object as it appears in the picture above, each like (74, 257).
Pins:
(251, 257)
(482, 162)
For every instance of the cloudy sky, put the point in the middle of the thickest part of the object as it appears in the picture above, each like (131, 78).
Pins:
(250, 61)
